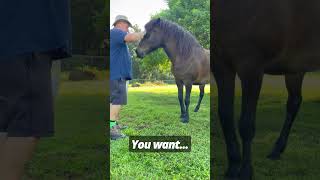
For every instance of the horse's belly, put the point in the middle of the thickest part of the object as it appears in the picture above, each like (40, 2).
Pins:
(302, 61)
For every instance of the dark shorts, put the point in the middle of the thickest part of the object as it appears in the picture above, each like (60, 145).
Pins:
(118, 90)
(26, 102)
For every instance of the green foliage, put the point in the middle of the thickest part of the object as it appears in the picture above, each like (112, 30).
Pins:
(193, 15)
(88, 25)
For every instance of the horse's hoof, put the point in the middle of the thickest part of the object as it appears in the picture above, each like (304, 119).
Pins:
(232, 173)
(232, 176)
(196, 109)
(185, 119)
(246, 173)
(274, 156)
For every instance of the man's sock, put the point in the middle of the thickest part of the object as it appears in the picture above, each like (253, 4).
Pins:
(112, 123)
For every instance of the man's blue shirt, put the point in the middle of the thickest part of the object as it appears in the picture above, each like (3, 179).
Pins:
(120, 59)
(35, 26)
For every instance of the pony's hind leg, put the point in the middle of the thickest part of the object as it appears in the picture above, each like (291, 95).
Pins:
(201, 88)
(294, 85)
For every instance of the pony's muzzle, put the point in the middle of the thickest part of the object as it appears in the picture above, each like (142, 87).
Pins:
(139, 53)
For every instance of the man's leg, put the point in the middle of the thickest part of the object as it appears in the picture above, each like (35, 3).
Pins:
(117, 99)
(26, 90)
(3, 138)
(17, 151)
(114, 112)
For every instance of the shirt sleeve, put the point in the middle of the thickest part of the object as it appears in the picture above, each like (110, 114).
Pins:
(117, 36)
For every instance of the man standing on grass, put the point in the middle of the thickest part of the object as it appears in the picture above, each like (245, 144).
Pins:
(120, 70)
(33, 34)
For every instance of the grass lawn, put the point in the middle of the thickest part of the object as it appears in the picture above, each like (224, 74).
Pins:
(156, 111)
(301, 160)
(78, 149)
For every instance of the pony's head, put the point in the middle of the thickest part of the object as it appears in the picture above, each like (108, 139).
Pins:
(152, 40)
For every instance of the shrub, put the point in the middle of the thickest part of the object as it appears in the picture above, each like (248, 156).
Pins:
(78, 75)
(135, 85)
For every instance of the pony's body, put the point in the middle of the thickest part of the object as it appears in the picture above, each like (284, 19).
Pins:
(189, 69)
(253, 38)
(190, 63)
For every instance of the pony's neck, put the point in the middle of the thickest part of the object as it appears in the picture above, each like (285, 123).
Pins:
(170, 48)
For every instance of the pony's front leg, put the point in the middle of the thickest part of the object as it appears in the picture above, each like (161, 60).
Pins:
(180, 97)
(225, 78)
(187, 102)
(251, 86)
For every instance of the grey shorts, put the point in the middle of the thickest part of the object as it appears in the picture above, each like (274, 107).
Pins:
(118, 91)
(26, 102)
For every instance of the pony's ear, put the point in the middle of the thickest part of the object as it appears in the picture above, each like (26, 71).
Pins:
(158, 21)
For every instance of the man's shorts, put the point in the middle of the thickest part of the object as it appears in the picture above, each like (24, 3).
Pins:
(118, 90)
(26, 102)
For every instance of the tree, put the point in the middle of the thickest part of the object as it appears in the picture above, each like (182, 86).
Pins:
(88, 22)
(193, 15)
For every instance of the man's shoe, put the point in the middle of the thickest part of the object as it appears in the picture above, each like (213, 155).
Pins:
(115, 133)
(121, 127)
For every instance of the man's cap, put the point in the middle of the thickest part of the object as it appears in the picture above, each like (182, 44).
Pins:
(121, 18)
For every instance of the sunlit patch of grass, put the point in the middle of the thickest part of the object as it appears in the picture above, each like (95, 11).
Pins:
(155, 110)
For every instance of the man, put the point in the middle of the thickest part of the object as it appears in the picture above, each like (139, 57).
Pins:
(120, 70)
(33, 33)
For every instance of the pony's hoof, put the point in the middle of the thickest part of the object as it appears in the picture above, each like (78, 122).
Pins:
(274, 156)
(196, 109)
(185, 119)
(232, 173)
(246, 173)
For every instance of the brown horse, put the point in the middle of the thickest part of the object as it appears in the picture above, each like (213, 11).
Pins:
(253, 38)
(190, 62)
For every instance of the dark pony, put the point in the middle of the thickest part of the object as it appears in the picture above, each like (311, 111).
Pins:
(190, 61)
(253, 38)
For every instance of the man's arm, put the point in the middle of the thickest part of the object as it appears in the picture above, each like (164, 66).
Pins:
(133, 37)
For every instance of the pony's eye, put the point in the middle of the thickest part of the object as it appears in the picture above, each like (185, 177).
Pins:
(146, 35)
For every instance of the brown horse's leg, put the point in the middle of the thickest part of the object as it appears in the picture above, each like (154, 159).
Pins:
(201, 87)
(251, 81)
(187, 102)
(180, 97)
(294, 85)
(225, 79)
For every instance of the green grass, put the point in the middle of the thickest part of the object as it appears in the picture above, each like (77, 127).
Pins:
(155, 111)
(301, 160)
(78, 149)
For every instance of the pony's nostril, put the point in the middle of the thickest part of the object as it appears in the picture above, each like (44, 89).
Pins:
(139, 54)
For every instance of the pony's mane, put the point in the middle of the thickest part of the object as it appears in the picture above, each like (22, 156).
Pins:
(184, 39)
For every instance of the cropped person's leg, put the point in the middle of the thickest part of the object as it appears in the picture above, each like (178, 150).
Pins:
(16, 153)
(29, 111)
